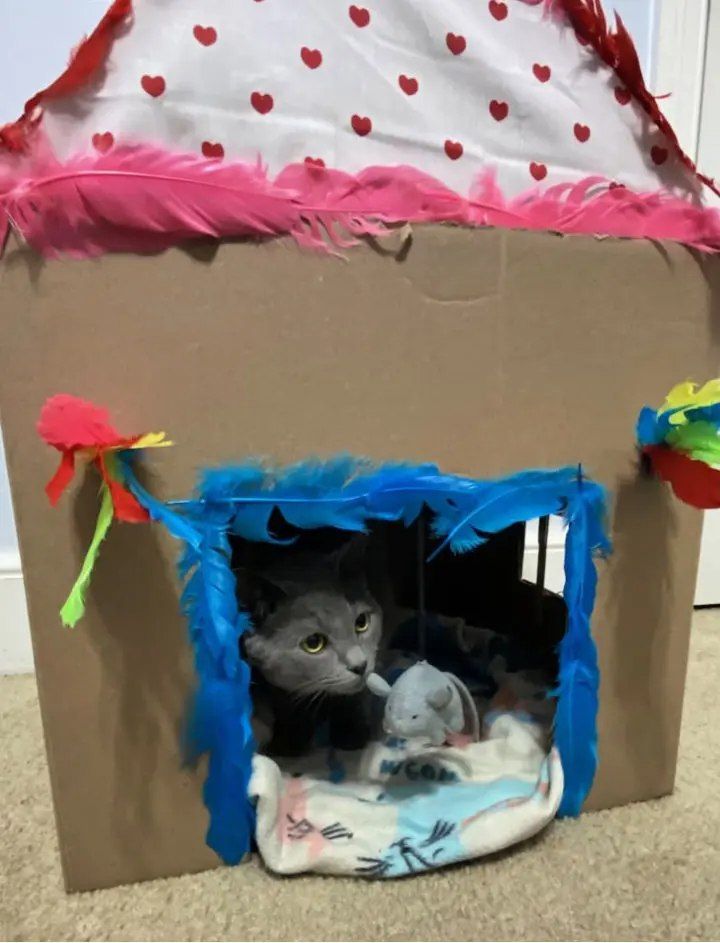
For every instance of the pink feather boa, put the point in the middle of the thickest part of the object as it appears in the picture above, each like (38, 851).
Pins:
(143, 199)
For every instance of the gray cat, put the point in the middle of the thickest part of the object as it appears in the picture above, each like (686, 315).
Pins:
(317, 631)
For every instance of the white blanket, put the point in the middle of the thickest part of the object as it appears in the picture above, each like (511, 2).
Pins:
(396, 808)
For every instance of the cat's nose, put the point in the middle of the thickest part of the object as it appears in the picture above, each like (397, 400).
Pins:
(359, 668)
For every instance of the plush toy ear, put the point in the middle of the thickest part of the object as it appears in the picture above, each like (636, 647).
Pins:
(440, 698)
(378, 685)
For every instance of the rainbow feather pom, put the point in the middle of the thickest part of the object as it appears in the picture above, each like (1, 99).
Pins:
(681, 442)
(78, 428)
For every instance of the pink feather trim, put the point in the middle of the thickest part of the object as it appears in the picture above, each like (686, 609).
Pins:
(142, 199)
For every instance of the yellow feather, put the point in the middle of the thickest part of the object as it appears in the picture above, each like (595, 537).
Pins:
(688, 395)
(152, 440)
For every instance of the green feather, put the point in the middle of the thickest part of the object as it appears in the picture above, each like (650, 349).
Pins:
(699, 440)
(74, 606)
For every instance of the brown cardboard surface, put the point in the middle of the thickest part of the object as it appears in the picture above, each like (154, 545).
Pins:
(485, 352)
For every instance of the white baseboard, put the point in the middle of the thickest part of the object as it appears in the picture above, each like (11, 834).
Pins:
(15, 648)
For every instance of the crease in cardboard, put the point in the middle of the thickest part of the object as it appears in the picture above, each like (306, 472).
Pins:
(481, 279)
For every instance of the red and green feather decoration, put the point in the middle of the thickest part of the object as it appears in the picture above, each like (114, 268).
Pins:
(681, 442)
(79, 430)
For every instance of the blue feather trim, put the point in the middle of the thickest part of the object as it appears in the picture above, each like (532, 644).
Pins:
(349, 494)
(178, 526)
(220, 726)
(579, 677)
(220, 721)
(496, 505)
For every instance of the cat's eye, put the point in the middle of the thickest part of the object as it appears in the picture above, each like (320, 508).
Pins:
(314, 644)
(362, 623)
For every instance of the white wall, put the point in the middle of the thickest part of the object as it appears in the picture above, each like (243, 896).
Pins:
(37, 37)
(641, 18)
(15, 650)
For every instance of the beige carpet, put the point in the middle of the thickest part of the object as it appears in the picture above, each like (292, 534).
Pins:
(645, 872)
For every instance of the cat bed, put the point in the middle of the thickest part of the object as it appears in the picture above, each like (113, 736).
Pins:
(393, 809)
(401, 806)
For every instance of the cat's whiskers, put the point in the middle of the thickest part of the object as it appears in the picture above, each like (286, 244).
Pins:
(316, 701)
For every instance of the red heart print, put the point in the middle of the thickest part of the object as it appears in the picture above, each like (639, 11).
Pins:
(311, 57)
(622, 95)
(262, 102)
(103, 142)
(361, 125)
(498, 9)
(408, 84)
(499, 110)
(659, 154)
(314, 161)
(542, 72)
(213, 149)
(205, 35)
(539, 171)
(153, 84)
(359, 15)
(582, 132)
(456, 44)
(453, 149)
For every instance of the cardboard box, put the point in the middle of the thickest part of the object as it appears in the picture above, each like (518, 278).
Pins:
(483, 351)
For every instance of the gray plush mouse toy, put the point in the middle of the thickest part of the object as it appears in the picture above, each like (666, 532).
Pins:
(426, 703)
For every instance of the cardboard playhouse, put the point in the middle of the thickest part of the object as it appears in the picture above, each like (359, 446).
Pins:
(400, 275)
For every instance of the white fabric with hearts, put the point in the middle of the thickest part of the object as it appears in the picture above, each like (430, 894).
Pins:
(447, 86)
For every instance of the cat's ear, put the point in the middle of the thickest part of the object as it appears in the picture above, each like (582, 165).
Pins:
(350, 559)
(257, 594)
(255, 647)
(350, 567)
(281, 584)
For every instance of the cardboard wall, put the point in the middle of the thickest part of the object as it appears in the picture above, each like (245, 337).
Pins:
(483, 351)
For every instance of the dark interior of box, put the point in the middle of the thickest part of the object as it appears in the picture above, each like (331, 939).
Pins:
(484, 586)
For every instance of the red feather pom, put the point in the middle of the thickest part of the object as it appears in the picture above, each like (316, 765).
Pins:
(693, 482)
(62, 477)
(67, 422)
